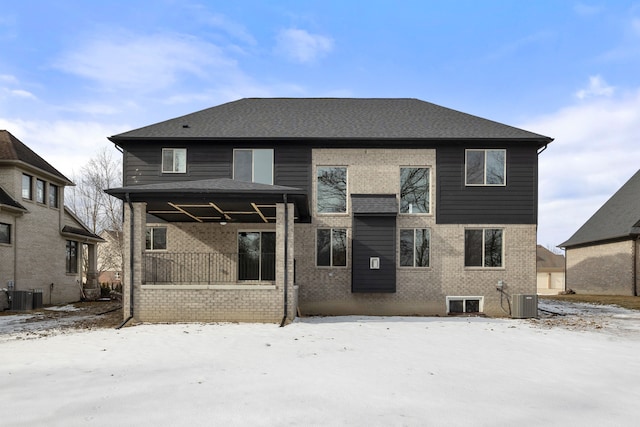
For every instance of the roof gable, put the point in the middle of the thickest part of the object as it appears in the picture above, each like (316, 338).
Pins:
(12, 149)
(334, 118)
(617, 218)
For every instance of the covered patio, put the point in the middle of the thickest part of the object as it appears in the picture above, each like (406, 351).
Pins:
(210, 250)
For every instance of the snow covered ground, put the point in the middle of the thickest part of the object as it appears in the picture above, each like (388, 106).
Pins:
(581, 368)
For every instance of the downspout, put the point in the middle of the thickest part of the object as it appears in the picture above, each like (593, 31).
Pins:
(286, 258)
(131, 252)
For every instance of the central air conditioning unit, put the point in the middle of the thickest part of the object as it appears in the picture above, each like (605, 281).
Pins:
(21, 300)
(524, 306)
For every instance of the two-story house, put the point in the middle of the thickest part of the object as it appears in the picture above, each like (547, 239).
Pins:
(41, 241)
(259, 209)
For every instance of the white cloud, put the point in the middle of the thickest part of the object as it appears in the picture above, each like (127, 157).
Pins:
(144, 63)
(596, 147)
(302, 46)
(597, 87)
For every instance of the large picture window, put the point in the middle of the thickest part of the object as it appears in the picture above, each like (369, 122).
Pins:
(253, 165)
(483, 247)
(174, 160)
(331, 247)
(27, 192)
(485, 167)
(256, 255)
(414, 190)
(5, 233)
(414, 247)
(331, 189)
(156, 238)
(72, 256)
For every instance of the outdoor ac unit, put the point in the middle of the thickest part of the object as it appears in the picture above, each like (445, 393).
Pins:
(524, 306)
(21, 300)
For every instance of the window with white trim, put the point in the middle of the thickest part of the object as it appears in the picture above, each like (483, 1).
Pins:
(414, 247)
(156, 238)
(253, 165)
(459, 305)
(174, 160)
(331, 247)
(485, 167)
(414, 190)
(5, 233)
(331, 189)
(483, 247)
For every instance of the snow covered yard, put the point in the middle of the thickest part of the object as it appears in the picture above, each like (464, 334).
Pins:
(361, 371)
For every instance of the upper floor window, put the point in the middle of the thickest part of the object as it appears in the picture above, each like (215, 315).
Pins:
(72, 256)
(414, 247)
(40, 184)
(483, 247)
(174, 160)
(332, 189)
(331, 250)
(253, 165)
(414, 190)
(156, 238)
(485, 167)
(5, 233)
(53, 195)
(27, 192)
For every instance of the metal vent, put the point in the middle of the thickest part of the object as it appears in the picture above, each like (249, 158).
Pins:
(524, 306)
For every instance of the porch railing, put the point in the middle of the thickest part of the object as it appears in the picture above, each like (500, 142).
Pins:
(207, 267)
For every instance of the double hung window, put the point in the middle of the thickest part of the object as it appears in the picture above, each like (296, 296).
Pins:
(414, 190)
(174, 160)
(331, 247)
(331, 189)
(485, 167)
(253, 165)
(483, 247)
(414, 247)
(156, 238)
(53, 196)
(40, 185)
(257, 255)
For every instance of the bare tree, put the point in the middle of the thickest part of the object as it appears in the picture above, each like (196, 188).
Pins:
(99, 211)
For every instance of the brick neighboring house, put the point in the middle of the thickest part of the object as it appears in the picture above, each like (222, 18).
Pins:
(41, 241)
(550, 267)
(262, 208)
(603, 256)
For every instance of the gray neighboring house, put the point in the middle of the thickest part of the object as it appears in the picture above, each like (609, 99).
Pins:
(603, 256)
(550, 272)
(41, 241)
(263, 208)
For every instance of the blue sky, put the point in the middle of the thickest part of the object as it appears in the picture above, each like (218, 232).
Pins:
(74, 72)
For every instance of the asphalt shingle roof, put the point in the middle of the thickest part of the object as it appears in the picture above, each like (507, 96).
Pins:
(335, 118)
(220, 185)
(11, 148)
(619, 217)
(7, 200)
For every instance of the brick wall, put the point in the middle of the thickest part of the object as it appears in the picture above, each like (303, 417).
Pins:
(605, 269)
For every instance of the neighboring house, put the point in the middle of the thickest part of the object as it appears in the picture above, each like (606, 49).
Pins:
(550, 267)
(110, 258)
(40, 240)
(262, 208)
(603, 256)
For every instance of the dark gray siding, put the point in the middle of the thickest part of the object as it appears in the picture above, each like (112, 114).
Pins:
(515, 203)
(373, 237)
(213, 159)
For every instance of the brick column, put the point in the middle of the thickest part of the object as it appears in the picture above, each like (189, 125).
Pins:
(283, 264)
(135, 253)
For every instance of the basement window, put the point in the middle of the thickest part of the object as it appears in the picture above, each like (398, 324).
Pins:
(462, 305)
